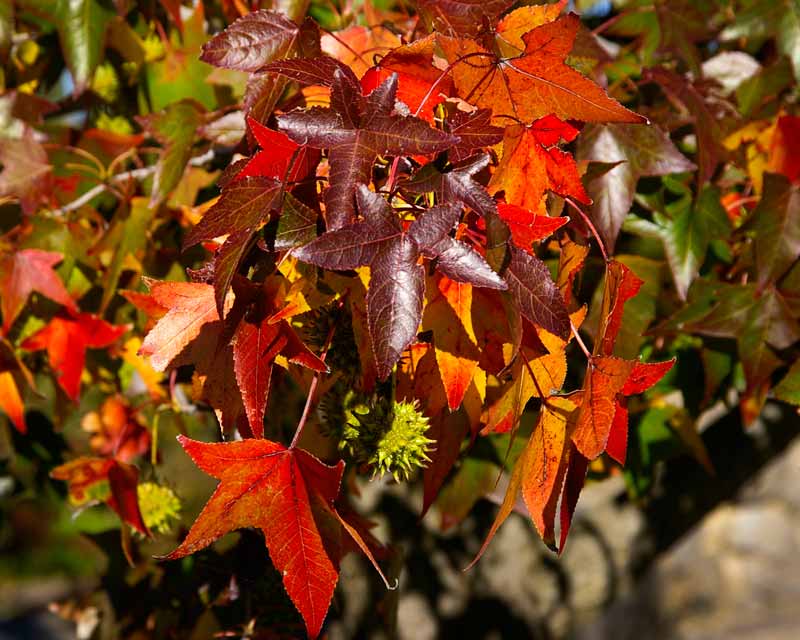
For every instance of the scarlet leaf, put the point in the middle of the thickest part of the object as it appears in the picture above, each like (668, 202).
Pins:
(573, 483)
(617, 446)
(355, 135)
(264, 485)
(644, 375)
(536, 83)
(66, 339)
(528, 227)
(255, 347)
(24, 272)
(278, 153)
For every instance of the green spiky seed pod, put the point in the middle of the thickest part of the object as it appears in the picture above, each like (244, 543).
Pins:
(159, 506)
(395, 439)
(341, 411)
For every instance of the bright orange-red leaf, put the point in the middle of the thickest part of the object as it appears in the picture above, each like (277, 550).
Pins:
(264, 485)
(617, 446)
(528, 170)
(278, 153)
(66, 339)
(526, 226)
(11, 401)
(605, 377)
(784, 152)
(534, 84)
(116, 430)
(644, 375)
(621, 285)
(573, 483)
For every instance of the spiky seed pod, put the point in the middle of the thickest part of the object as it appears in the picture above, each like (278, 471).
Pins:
(159, 506)
(402, 447)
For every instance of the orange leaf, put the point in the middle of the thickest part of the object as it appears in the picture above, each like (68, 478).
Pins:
(545, 463)
(536, 83)
(449, 315)
(11, 401)
(605, 377)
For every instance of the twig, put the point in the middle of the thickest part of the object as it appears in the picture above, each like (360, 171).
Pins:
(312, 390)
(134, 174)
(579, 340)
(591, 226)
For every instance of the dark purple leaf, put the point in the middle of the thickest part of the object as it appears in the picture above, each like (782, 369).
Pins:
(319, 70)
(460, 262)
(455, 184)
(252, 41)
(245, 204)
(475, 131)
(394, 302)
(535, 293)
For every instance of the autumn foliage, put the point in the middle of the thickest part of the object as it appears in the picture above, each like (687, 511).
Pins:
(380, 241)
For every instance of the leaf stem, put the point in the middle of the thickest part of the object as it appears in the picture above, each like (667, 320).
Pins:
(312, 390)
(579, 340)
(591, 226)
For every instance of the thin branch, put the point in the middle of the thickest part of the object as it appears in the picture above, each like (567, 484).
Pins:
(134, 174)
(591, 226)
(579, 340)
(312, 390)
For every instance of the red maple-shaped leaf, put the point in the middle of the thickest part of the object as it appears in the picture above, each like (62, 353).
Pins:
(66, 339)
(255, 346)
(264, 485)
(24, 272)
(397, 280)
(107, 480)
(356, 130)
(527, 226)
(534, 84)
(279, 157)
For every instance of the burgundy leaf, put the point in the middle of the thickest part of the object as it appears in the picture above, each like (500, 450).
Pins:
(460, 262)
(456, 184)
(320, 70)
(252, 41)
(475, 131)
(394, 302)
(353, 146)
(535, 293)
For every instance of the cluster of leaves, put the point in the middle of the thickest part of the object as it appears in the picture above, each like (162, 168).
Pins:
(436, 224)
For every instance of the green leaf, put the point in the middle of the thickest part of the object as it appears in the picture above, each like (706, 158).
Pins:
(687, 237)
(175, 129)
(788, 389)
(128, 235)
(81, 26)
(6, 28)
